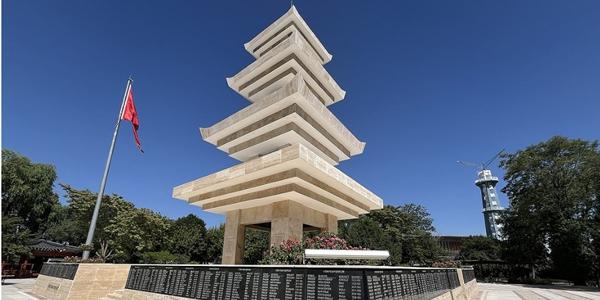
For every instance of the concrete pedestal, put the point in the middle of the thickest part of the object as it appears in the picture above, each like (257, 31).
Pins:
(233, 242)
(287, 220)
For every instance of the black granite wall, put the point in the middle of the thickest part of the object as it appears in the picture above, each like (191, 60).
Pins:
(297, 282)
(59, 270)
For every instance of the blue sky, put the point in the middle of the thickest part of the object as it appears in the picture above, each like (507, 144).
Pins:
(427, 82)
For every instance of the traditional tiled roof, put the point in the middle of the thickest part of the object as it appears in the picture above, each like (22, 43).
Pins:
(50, 246)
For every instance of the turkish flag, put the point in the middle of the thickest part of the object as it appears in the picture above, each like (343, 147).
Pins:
(130, 114)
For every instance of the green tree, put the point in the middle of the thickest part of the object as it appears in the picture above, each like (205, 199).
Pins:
(136, 231)
(256, 245)
(554, 191)
(27, 190)
(215, 237)
(368, 233)
(187, 236)
(14, 239)
(75, 217)
(127, 230)
(405, 230)
(480, 248)
(595, 238)
(64, 227)
(163, 257)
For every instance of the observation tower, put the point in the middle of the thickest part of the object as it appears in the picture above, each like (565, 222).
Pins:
(491, 206)
(489, 198)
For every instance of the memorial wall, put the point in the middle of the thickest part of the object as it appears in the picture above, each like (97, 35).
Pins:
(97, 281)
(291, 282)
(468, 274)
(66, 271)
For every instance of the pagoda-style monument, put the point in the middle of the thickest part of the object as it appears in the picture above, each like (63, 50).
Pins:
(288, 141)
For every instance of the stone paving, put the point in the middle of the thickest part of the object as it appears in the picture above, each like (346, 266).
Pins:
(534, 292)
(17, 289)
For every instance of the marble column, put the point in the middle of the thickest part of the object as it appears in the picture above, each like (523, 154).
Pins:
(233, 243)
(332, 224)
(286, 222)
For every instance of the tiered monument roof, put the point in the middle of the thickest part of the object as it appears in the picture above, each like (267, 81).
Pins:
(290, 115)
(290, 22)
(287, 139)
(293, 173)
(286, 48)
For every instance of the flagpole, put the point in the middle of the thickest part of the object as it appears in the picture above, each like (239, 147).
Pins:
(90, 235)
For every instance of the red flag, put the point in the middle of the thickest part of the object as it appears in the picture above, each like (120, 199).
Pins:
(130, 114)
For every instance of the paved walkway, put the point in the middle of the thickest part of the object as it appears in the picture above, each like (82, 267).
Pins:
(16, 289)
(534, 292)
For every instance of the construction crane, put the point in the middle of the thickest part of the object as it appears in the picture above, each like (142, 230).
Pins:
(489, 197)
(481, 166)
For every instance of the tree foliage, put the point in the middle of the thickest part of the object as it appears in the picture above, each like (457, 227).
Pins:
(76, 215)
(27, 190)
(554, 189)
(215, 237)
(187, 236)
(27, 202)
(480, 248)
(163, 257)
(405, 230)
(14, 239)
(256, 245)
(134, 232)
(127, 230)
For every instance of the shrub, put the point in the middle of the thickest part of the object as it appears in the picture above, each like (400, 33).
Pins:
(290, 252)
(445, 264)
(164, 257)
(79, 260)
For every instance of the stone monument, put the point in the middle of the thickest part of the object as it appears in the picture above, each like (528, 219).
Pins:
(289, 143)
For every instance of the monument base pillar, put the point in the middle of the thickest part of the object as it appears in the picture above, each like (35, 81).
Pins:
(233, 242)
(286, 219)
(286, 222)
(332, 224)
